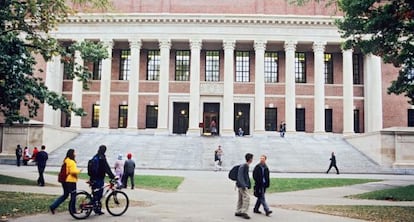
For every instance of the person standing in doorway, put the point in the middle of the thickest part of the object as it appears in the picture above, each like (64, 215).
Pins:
(213, 127)
(19, 153)
(282, 129)
(261, 183)
(41, 158)
(129, 171)
(333, 163)
(243, 184)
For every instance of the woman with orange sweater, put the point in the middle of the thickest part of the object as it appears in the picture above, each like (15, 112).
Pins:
(70, 183)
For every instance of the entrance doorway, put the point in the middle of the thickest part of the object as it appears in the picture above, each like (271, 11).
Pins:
(180, 118)
(211, 119)
(242, 118)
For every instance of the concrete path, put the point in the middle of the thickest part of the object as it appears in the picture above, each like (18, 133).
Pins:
(210, 196)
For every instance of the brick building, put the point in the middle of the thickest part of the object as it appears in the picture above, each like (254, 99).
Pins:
(176, 65)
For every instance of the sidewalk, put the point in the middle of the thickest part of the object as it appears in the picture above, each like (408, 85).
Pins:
(210, 196)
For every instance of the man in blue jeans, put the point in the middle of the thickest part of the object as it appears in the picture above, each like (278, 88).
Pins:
(261, 182)
(97, 180)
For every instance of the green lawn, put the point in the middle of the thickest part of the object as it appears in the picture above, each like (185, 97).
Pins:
(16, 181)
(395, 194)
(294, 184)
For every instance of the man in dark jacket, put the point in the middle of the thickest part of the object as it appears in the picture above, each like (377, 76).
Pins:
(261, 182)
(333, 163)
(41, 158)
(19, 153)
(243, 184)
(98, 179)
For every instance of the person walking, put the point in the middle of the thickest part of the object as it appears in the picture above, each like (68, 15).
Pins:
(129, 171)
(218, 154)
(282, 129)
(119, 169)
(19, 153)
(69, 185)
(261, 183)
(41, 159)
(333, 163)
(243, 184)
(97, 180)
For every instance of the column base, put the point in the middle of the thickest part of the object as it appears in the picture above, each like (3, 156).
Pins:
(162, 132)
(259, 133)
(194, 132)
(227, 133)
(132, 127)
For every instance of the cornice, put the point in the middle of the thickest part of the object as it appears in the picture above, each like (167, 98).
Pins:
(153, 18)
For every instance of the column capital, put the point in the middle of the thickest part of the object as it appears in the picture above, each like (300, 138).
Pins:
(135, 43)
(229, 44)
(165, 43)
(347, 50)
(107, 43)
(196, 44)
(319, 46)
(260, 45)
(290, 45)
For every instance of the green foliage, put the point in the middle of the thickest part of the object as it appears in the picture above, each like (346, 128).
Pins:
(294, 184)
(24, 34)
(394, 194)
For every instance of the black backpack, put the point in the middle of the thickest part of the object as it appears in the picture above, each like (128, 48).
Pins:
(93, 166)
(234, 172)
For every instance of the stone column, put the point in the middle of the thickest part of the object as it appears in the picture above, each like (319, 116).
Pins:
(165, 45)
(228, 103)
(105, 91)
(373, 93)
(77, 88)
(54, 77)
(348, 92)
(133, 99)
(259, 126)
(195, 87)
(290, 82)
(319, 87)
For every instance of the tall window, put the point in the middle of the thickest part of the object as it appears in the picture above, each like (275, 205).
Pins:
(328, 68)
(151, 117)
(271, 61)
(182, 65)
(328, 120)
(271, 119)
(300, 67)
(357, 68)
(153, 65)
(67, 67)
(212, 65)
(124, 66)
(97, 70)
(356, 121)
(95, 115)
(410, 117)
(242, 66)
(123, 116)
(300, 119)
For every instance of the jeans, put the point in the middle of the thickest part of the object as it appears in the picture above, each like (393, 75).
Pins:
(18, 160)
(41, 179)
(97, 195)
(68, 188)
(126, 176)
(261, 201)
(333, 165)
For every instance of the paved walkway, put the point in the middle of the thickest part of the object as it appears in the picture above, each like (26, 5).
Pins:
(210, 196)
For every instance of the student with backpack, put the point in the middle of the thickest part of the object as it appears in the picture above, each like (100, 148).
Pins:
(97, 168)
(68, 176)
(243, 184)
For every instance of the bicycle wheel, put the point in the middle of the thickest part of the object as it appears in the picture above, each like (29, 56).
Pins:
(117, 203)
(82, 205)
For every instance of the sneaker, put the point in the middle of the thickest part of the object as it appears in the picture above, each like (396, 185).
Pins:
(257, 211)
(238, 214)
(52, 210)
(99, 213)
(246, 216)
(268, 212)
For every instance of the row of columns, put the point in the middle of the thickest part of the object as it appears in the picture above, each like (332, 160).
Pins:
(372, 92)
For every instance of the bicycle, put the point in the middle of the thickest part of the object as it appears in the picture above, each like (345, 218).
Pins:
(116, 202)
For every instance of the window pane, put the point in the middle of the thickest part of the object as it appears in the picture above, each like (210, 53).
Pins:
(153, 67)
(212, 66)
(125, 64)
(271, 62)
(151, 117)
(123, 116)
(182, 65)
(97, 70)
(300, 67)
(271, 119)
(328, 68)
(242, 66)
(95, 115)
(357, 68)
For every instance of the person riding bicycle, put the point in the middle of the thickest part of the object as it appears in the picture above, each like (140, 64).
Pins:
(97, 180)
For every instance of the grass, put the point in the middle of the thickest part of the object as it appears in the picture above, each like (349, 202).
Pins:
(16, 181)
(370, 213)
(295, 184)
(395, 194)
(151, 182)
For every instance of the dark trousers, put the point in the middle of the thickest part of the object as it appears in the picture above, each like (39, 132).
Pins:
(333, 165)
(97, 193)
(41, 179)
(68, 188)
(18, 160)
(125, 179)
(261, 200)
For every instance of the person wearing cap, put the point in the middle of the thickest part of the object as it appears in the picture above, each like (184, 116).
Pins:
(119, 169)
(129, 171)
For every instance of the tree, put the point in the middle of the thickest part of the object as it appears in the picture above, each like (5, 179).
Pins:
(384, 28)
(25, 26)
